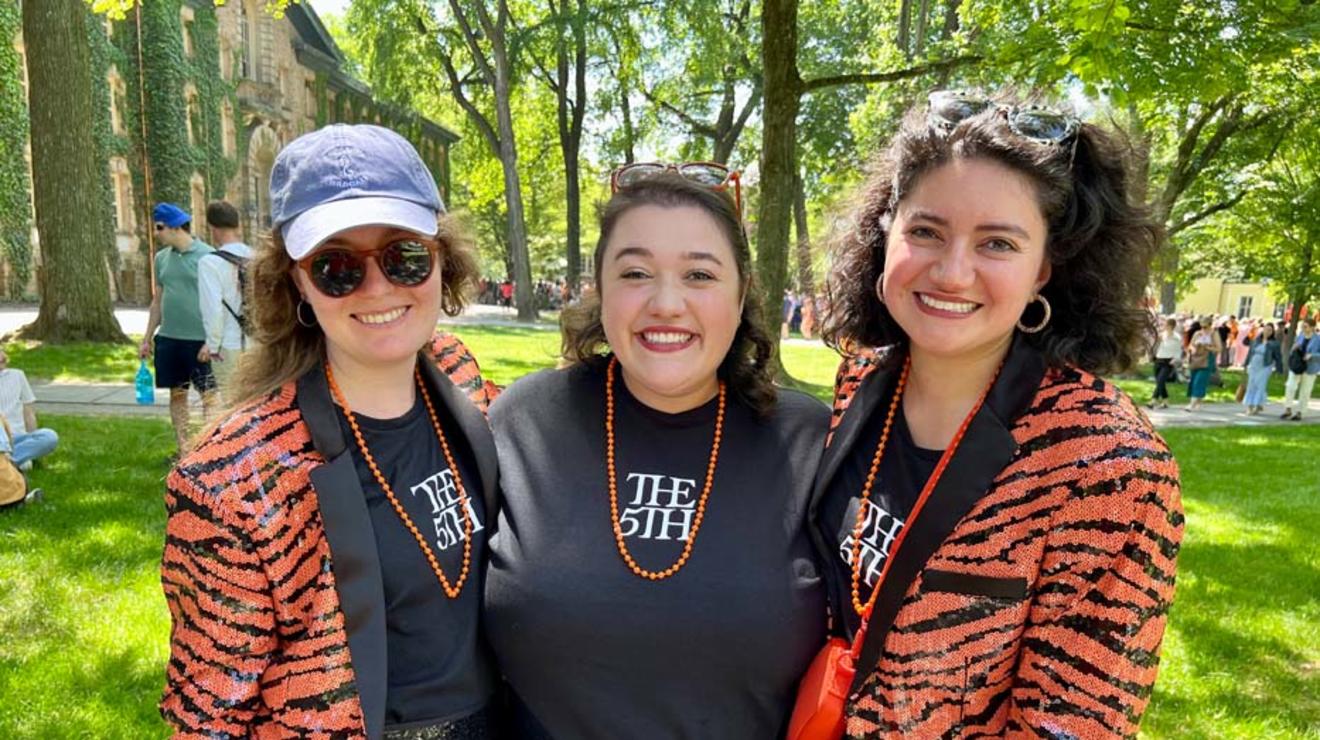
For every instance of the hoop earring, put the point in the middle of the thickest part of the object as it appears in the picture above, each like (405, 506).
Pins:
(1045, 304)
(298, 312)
(880, 288)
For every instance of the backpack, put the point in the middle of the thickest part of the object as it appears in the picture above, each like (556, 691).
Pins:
(1296, 358)
(240, 264)
(13, 486)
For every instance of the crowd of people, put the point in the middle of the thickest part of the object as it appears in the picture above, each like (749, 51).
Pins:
(1195, 348)
(548, 295)
(654, 540)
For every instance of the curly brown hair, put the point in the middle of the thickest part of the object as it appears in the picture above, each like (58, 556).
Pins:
(285, 348)
(1100, 242)
(746, 367)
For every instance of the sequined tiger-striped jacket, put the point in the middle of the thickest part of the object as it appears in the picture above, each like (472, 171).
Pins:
(270, 566)
(1029, 597)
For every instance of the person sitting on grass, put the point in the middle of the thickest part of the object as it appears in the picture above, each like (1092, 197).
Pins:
(23, 440)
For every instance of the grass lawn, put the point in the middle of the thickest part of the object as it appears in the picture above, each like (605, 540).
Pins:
(507, 353)
(83, 625)
(80, 362)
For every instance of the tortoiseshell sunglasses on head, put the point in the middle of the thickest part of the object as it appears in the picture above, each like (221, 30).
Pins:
(713, 175)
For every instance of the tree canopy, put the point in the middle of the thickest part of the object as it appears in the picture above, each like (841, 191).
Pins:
(550, 94)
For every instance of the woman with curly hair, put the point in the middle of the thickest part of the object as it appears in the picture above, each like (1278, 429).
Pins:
(651, 570)
(325, 541)
(999, 522)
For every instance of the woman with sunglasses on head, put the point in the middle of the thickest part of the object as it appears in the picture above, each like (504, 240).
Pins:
(1000, 523)
(325, 542)
(651, 572)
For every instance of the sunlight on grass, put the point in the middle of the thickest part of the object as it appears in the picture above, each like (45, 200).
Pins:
(84, 627)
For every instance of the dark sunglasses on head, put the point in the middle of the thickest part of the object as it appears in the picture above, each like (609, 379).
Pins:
(948, 108)
(336, 272)
(711, 174)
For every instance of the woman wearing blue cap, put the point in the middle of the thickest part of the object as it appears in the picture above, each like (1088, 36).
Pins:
(323, 552)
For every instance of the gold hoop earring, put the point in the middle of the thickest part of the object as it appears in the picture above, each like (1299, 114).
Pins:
(880, 288)
(1045, 304)
(298, 312)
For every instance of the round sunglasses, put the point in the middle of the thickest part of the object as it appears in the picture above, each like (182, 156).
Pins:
(338, 272)
(948, 108)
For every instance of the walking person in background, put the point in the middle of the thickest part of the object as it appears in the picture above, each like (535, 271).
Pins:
(1264, 357)
(176, 311)
(221, 277)
(1167, 354)
(1200, 363)
(1303, 366)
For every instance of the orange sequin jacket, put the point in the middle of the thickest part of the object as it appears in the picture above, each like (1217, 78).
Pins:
(271, 570)
(1030, 595)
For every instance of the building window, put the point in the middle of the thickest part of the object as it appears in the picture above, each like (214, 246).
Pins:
(198, 194)
(1244, 306)
(244, 41)
(121, 184)
(194, 117)
(186, 21)
(229, 141)
(117, 99)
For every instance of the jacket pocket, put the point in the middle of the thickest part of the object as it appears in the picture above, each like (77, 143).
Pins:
(967, 584)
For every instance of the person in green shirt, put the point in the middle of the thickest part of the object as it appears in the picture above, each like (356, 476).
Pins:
(180, 343)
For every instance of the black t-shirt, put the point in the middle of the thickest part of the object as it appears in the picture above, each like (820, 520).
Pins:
(904, 470)
(440, 667)
(590, 649)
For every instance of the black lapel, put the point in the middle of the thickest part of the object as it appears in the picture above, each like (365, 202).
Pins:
(870, 391)
(354, 557)
(987, 448)
(474, 427)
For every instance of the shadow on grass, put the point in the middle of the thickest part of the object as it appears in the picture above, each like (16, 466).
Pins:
(117, 695)
(1243, 627)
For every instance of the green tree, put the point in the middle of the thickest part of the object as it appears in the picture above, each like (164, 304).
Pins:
(568, 50)
(1274, 233)
(68, 174)
(15, 208)
(468, 45)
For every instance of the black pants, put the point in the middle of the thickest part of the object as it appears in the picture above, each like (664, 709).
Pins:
(1163, 374)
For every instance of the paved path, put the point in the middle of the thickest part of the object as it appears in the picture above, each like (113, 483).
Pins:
(119, 399)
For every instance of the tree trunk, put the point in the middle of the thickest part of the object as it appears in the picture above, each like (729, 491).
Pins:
(806, 281)
(66, 185)
(783, 90)
(524, 294)
(570, 137)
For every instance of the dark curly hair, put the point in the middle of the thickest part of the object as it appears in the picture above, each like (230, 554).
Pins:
(285, 348)
(1100, 242)
(746, 368)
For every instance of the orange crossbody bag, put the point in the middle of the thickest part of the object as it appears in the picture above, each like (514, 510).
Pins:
(818, 711)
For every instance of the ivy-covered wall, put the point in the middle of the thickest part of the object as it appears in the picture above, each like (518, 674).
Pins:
(154, 112)
(161, 85)
(15, 202)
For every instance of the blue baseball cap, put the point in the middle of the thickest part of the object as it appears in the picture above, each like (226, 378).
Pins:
(344, 176)
(170, 215)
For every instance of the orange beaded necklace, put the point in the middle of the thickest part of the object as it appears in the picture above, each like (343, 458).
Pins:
(450, 591)
(864, 610)
(639, 571)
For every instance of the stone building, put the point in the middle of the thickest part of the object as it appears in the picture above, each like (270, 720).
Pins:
(200, 98)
